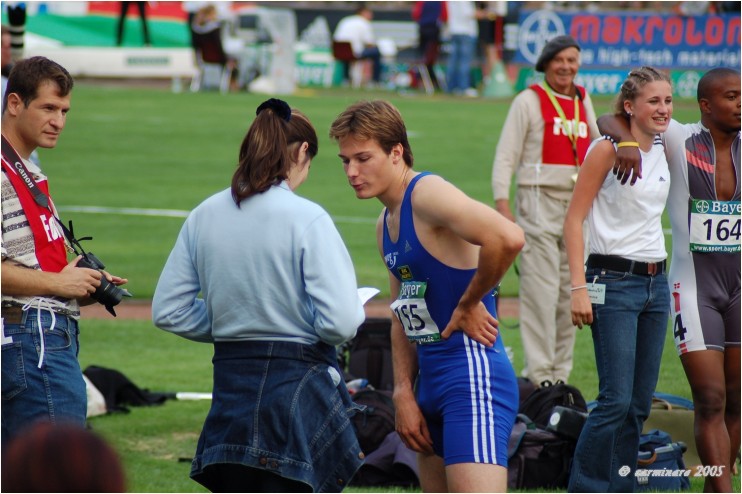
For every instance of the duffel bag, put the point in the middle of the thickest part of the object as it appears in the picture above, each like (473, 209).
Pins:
(538, 459)
(660, 465)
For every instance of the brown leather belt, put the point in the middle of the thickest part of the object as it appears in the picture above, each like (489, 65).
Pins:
(11, 314)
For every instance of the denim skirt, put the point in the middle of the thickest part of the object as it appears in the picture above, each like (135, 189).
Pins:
(280, 407)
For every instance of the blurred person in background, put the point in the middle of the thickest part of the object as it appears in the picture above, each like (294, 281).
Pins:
(463, 31)
(17, 28)
(142, 9)
(13, 35)
(430, 17)
(274, 305)
(487, 14)
(61, 458)
(41, 290)
(209, 42)
(358, 31)
(7, 58)
(543, 141)
(223, 8)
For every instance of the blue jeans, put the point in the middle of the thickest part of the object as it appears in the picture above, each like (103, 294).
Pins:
(54, 392)
(459, 62)
(369, 53)
(373, 54)
(628, 336)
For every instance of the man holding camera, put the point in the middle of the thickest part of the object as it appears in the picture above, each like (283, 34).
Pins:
(41, 291)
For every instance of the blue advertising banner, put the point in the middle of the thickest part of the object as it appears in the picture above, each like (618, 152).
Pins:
(632, 39)
(596, 81)
(607, 82)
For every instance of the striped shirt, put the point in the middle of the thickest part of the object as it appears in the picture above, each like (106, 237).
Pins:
(18, 246)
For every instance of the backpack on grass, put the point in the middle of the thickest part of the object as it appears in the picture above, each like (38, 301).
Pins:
(369, 354)
(537, 458)
(541, 402)
(374, 423)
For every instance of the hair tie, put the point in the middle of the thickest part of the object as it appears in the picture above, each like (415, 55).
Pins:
(279, 107)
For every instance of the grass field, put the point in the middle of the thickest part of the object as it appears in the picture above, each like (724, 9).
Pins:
(156, 443)
(144, 157)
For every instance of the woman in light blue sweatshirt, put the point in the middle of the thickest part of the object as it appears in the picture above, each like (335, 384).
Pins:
(278, 292)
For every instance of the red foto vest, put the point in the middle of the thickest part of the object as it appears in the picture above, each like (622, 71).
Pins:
(47, 234)
(557, 147)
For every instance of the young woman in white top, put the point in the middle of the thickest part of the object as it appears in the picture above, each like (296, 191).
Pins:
(623, 293)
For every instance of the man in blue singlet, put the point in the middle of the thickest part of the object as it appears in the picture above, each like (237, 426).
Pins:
(704, 210)
(445, 253)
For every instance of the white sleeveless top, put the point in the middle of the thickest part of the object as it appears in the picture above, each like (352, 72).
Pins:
(626, 220)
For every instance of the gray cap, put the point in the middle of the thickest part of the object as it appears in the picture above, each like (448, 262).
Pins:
(554, 46)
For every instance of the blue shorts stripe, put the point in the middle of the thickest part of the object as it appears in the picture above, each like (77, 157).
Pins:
(473, 388)
(469, 407)
(483, 426)
(480, 402)
(487, 384)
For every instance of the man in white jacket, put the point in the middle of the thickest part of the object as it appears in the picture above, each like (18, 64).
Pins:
(357, 30)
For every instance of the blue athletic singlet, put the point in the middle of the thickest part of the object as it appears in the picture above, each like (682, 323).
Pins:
(466, 391)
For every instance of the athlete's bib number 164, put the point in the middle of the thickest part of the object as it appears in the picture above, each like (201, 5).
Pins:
(714, 226)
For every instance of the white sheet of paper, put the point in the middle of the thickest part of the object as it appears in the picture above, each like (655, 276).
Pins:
(366, 293)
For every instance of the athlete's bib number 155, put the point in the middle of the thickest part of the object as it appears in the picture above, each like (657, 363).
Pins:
(412, 311)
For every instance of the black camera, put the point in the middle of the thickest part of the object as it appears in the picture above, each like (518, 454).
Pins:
(107, 293)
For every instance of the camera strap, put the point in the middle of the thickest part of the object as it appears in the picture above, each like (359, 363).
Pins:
(42, 199)
(17, 164)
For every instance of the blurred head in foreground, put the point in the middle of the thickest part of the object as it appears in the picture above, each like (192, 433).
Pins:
(60, 458)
